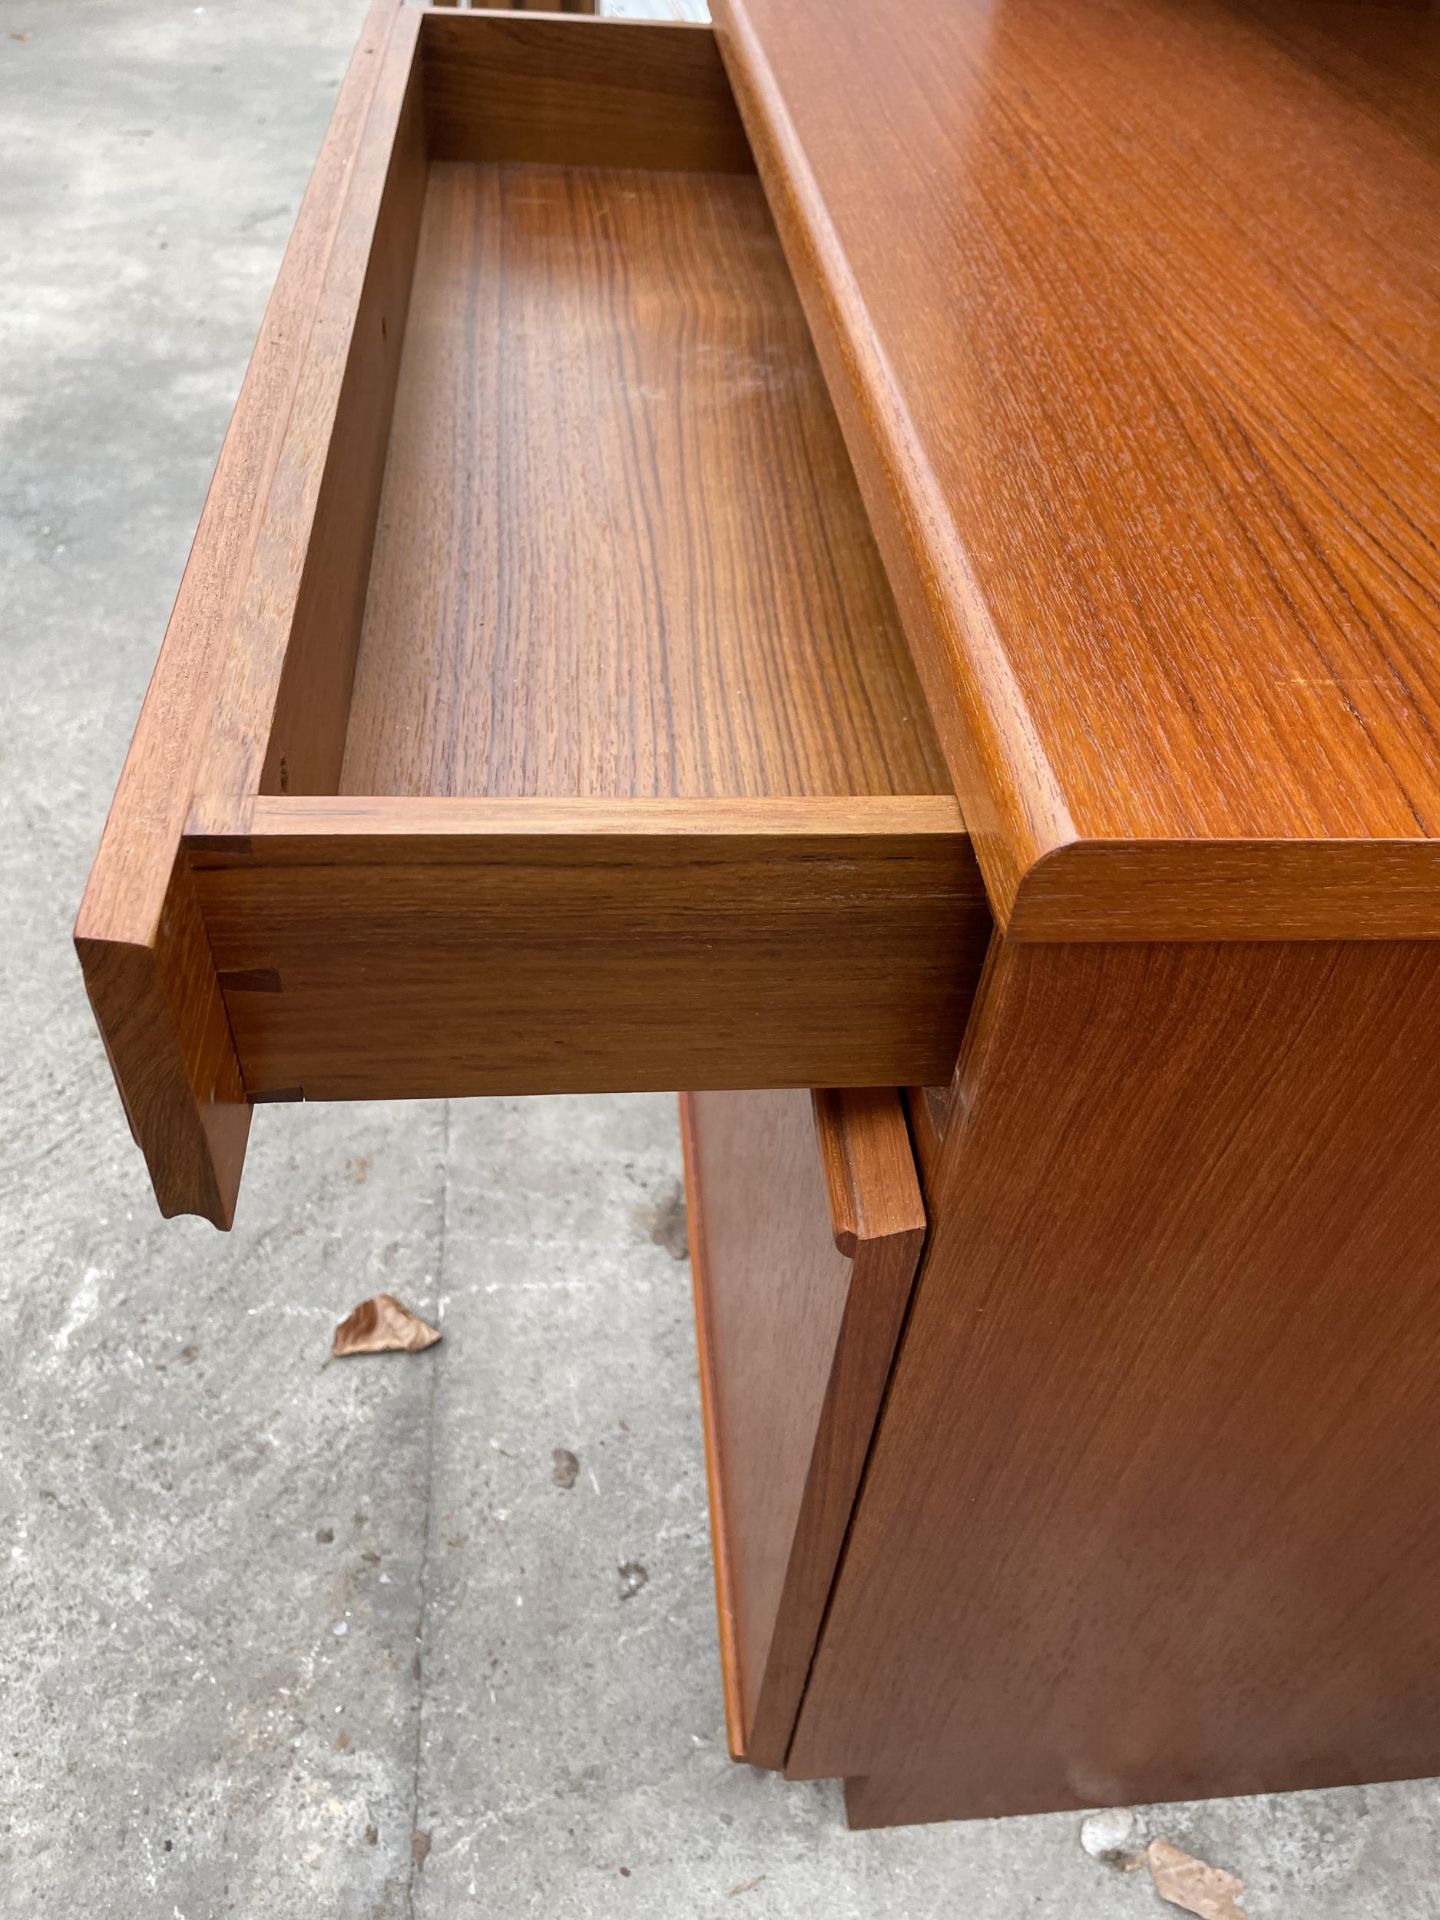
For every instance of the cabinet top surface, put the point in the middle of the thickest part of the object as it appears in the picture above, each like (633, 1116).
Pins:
(1141, 300)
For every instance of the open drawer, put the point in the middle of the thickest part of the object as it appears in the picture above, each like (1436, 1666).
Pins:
(534, 715)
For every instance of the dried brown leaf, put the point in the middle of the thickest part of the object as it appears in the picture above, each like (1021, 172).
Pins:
(382, 1325)
(1186, 1882)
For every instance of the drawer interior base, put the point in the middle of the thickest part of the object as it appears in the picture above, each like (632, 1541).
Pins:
(619, 550)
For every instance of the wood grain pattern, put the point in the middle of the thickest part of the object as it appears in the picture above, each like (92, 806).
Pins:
(1132, 315)
(620, 545)
(157, 1003)
(386, 949)
(1147, 1515)
(809, 1226)
(607, 93)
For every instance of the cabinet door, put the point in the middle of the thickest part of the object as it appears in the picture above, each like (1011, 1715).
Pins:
(806, 1224)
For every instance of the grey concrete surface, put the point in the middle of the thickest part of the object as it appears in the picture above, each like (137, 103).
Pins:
(264, 1619)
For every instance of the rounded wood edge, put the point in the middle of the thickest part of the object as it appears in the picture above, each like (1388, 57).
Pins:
(869, 1166)
(168, 1045)
(1230, 890)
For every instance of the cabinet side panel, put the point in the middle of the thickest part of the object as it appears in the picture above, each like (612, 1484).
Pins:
(1148, 1511)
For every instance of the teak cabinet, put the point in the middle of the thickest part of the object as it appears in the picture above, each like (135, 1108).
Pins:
(674, 466)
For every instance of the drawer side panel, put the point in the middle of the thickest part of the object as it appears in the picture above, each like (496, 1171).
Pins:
(141, 943)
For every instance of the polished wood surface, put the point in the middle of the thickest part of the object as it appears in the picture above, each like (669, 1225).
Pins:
(386, 949)
(1148, 1514)
(1132, 316)
(809, 1223)
(620, 548)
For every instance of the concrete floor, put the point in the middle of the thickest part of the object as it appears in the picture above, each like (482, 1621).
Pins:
(281, 1638)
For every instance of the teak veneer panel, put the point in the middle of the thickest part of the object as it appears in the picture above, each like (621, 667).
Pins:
(1131, 311)
(620, 547)
(806, 1226)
